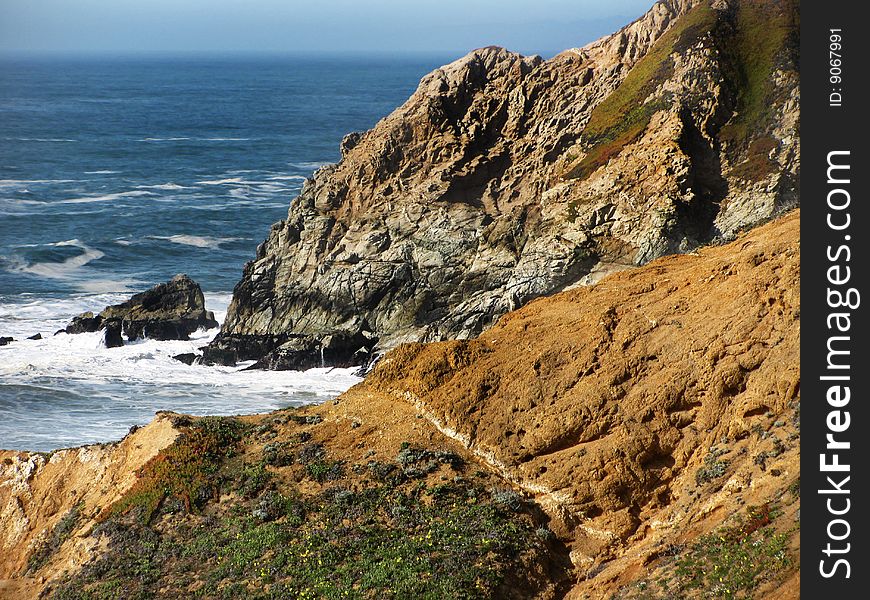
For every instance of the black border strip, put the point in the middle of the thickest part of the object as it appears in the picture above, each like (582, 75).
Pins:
(835, 357)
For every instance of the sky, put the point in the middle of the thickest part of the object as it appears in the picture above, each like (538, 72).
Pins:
(316, 26)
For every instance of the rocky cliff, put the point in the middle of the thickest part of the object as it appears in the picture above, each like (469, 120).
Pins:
(504, 178)
(634, 439)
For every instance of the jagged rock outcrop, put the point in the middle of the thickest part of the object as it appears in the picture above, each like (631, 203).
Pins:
(504, 178)
(168, 311)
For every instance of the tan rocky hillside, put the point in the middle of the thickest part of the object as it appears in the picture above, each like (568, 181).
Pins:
(637, 438)
(504, 178)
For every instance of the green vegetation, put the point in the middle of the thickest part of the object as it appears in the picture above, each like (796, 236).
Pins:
(185, 471)
(729, 563)
(61, 533)
(765, 29)
(713, 467)
(732, 562)
(757, 164)
(378, 542)
(624, 114)
(413, 527)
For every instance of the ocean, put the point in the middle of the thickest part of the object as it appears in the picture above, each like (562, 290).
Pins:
(116, 174)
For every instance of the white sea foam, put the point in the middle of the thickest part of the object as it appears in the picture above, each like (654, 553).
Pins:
(106, 286)
(287, 178)
(104, 172)
(47, 315)
(113, 388)
(66, 269)
(237, 203)
(195, 240)
(168, 187)
(220, 181)
(18, 202)
(25, 182)
(72, 270)
(270, 188)
(22, 139)
(196, 139)
(105, 197)
(309, 165)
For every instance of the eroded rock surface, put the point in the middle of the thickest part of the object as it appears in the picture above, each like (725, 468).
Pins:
(504, 178)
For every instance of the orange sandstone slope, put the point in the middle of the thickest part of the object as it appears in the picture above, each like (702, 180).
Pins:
(639, 412)
(38, 491)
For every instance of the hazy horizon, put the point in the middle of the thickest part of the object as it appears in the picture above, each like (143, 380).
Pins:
(275, 27)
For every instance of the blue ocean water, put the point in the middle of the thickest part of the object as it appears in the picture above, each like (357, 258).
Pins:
(116, 174)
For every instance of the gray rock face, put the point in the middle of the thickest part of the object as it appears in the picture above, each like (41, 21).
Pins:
(168, 311)
(504, 178)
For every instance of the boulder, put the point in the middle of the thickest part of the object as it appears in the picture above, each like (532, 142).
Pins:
(168, 311)
(340, 348)
(6, 340)
(187, 358)
(112, 333)
(227, 350)
(85, 323)
(36, 336)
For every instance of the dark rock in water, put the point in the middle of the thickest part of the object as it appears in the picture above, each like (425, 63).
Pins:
(112, 336)
(187, 358)
(227, 350)
(85, 323)
(220, 355)
(6, 340)
(292, 352)
(339, 349)
(168, 311)
(297, 353)
(37, 336)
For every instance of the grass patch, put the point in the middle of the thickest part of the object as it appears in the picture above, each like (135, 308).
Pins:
(61, 533)
(625, 113)
(377, 543)
(186, 471)
(765, 29)
(734, 561)
(369, 538)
